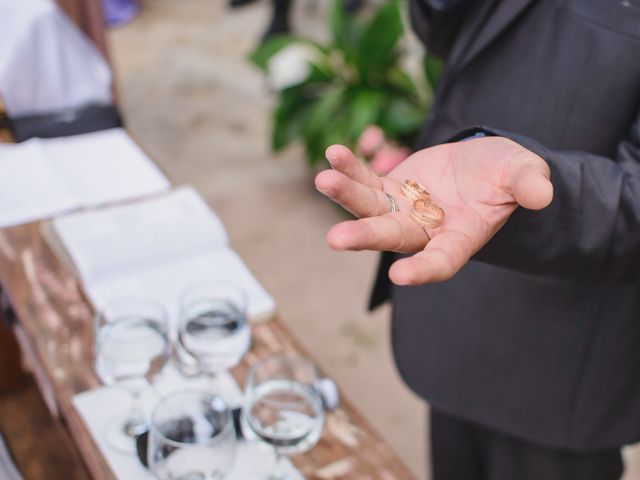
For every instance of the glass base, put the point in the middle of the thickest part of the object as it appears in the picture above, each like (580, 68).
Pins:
(121, 434)
(279, 471)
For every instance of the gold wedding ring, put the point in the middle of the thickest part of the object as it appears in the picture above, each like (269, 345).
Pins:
(427, 214)
(414, 191)
(424, 212)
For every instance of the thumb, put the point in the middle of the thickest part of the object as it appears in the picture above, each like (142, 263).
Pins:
(531, 185)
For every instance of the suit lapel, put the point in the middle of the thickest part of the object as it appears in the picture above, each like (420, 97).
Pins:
(486, 24)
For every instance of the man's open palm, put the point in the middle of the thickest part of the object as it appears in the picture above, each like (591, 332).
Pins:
(479, 183)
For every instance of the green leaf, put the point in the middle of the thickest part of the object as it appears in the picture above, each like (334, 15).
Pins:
(345, 31)
(287, 120)
(266, 51)
(263, 53)
(433, 69)
(362, 110)
(334, 132)
(402, 82)
(402, 118)
(376, 50)
(323, 112)
(354, 80)
(338, 22)
(318, 75)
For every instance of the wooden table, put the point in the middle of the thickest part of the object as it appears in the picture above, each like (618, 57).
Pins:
(53, 327)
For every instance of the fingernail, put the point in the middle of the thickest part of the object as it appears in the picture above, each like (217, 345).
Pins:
(329, 193)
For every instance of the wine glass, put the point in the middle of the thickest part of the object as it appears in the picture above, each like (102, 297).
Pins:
(282, 406)
(131, 348)
(191, 437)
(213, 335)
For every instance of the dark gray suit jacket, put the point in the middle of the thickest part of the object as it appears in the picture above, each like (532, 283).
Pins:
(539, 336)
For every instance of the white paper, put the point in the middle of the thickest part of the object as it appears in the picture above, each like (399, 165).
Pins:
(41, 178)
(165, 282)
(146, 233)
(103, 167)
(29, 188)
(156, 248)
(46, 63)
(99, 406)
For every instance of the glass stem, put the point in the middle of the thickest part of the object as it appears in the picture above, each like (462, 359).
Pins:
(278, 468)
(135, 424)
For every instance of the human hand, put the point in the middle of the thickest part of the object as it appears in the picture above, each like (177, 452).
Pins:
(479, 184)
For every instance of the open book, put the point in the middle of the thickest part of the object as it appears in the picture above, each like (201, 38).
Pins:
(44, 177)
(155, 248)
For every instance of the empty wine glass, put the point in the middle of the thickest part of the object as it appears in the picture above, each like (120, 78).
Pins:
(213, 335)
(282, 406)
(191, 437)
(131, 348)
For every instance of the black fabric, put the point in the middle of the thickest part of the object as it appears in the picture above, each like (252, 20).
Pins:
(279, 23)
(85, 119)
(4, 121)
(7, 314)
(438, 22)
(538, 336)
(461, 450)
(455, 449)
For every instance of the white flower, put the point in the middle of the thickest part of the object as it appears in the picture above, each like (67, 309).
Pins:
(289, 66)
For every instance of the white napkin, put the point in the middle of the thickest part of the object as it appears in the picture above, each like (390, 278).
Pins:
(45, 177)
(46, 63)
(99, 406)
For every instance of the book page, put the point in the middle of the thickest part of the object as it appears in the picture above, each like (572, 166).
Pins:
(41, 178)
(166, 283)
(115, 240)
(103, 167)
(29, 189)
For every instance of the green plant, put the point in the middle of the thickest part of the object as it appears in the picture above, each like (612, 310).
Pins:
(354, 81)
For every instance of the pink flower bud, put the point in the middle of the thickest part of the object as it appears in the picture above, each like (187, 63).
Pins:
(371, 140)
(388, 158)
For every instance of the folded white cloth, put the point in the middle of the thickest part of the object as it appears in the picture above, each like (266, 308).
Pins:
(46, 63)
(98, 407)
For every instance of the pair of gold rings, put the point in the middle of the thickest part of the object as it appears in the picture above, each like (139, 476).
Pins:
(424, 212)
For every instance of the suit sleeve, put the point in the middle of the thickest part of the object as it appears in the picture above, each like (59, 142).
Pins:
(437, 22)
(591, 230)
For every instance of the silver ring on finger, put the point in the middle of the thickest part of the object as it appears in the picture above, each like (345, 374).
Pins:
(393, 205)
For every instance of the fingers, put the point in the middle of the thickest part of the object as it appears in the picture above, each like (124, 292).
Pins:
(531, 186)
(355, 197)
(440, 260)
(391, 232)
(344, 161)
